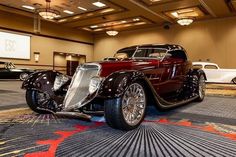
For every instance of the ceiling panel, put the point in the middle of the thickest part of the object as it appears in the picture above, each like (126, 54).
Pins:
(115, 12)
(60, 5)
(155, 2)
(192, 12)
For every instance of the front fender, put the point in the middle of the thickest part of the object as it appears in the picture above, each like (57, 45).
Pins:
(42, 81)
(116, 83)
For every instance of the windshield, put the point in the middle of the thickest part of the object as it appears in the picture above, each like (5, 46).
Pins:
(125, 53)
(151, 53)
(158, 53)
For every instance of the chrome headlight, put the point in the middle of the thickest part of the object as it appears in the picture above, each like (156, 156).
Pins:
(59, 81)
(94, 84)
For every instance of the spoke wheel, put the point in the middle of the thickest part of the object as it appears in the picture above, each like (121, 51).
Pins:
(128, 111)
(201, 88)
(133, 104)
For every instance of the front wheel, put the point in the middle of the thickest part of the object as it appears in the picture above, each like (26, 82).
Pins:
(127, 112)
(23, 76)
(36, 99)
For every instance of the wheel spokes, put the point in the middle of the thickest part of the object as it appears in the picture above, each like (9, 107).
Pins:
(133, 104)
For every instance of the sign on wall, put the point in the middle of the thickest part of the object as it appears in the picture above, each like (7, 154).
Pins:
(14, 46)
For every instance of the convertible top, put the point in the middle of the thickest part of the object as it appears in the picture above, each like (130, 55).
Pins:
(164, 46)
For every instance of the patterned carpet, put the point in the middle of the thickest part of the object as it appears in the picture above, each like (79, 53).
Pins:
(174, 133)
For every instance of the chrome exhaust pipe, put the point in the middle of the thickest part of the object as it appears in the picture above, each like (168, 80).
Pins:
(77, 115)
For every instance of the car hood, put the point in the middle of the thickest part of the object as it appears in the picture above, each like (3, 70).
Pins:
(108, 67)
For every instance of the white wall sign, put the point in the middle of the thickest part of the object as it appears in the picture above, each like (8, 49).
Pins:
(14, 46)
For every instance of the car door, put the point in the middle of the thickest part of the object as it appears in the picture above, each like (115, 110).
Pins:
(5, 73)
(213, 73)
(176, 67)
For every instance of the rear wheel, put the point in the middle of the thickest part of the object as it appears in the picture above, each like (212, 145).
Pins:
(36, 99)
(127, 112)
(201, 88)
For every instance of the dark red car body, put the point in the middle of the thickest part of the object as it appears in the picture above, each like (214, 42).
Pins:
(162, 71)
(166, 76)
(159, 73)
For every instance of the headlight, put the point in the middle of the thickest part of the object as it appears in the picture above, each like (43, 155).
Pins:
(59, 81)
(94, 84)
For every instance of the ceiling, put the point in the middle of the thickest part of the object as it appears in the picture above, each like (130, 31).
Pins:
(124, 14)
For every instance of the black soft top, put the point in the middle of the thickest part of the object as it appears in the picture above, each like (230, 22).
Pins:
(164, 46)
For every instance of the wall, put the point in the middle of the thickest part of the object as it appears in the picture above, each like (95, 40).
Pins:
(53, 37)
(211, 39)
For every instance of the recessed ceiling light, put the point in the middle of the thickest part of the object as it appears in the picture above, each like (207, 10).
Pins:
(28, 7)
(99, 29)
(99, 4)
(68, 12)
(155, 0)
(107, 10)
(140, 23)
(81, 8)
(94, 26)
(87, 29)
(127, 25)
(62, 20)
(136, 19)
(175, 14)
(76, 17)
(89, 14)
(185, 11)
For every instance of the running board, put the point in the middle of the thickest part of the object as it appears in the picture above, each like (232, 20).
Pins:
(78, 115)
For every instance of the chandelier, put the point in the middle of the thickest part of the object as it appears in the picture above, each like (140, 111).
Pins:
(48, 13)
(112, 32)
(185, 21)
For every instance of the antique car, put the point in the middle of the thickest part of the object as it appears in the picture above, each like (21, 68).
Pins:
(9, 71)
(215, 74)
(121, 90)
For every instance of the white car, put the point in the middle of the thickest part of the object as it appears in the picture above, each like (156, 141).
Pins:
(215, 74)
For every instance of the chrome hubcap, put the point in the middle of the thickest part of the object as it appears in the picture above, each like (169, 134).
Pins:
(23, 76)
(134, 104)
(202, 87)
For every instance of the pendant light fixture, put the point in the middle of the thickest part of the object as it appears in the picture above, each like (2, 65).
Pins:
(112, 32)
(185, 21)
(48, 13)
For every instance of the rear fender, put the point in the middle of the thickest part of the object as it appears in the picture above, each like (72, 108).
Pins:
(115, 84)
(198, 72)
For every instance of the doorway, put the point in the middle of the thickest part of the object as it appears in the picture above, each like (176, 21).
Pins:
(67, 62)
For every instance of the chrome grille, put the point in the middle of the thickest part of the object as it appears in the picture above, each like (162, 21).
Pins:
(79, 87)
